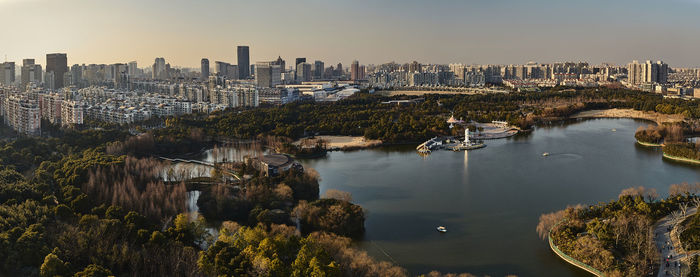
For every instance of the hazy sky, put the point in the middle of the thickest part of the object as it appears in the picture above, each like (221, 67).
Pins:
(372, 31)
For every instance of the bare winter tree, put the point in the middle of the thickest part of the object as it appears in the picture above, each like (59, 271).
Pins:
(338, 195)
(696, 202)
(137, 184)
(684, 208)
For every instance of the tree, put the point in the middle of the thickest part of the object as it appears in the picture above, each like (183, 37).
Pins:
(53, 266)
(94, 270)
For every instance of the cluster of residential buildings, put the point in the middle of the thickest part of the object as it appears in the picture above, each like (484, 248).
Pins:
(515, 76)
(124, 93)
(648, 76)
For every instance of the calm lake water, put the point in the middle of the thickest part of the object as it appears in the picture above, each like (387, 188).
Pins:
(490, 199)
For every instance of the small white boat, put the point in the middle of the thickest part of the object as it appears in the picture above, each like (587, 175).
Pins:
(614, 130)
(545, 154)
(442, 229)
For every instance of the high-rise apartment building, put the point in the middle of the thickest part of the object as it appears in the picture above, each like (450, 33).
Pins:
(243, 62)
(356, 71)
(319, 69)
(339, 70)
(71, 113)
(58, 64)
(159, 69)
(133, 69)
(647, 73)
(22, 114)
(76, 72)
(634, 73)
(204, 70)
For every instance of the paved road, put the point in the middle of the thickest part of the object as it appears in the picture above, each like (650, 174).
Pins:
(662, 238)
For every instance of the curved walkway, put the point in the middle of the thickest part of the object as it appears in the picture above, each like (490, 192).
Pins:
(681, 159)
(571, 260)
(669, 246)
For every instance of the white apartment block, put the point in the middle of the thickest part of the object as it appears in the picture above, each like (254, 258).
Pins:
(22, 114)
(71, 113)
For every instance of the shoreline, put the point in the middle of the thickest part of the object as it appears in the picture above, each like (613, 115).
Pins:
(569, 259)
(681, 159)
(630, 113)
(647, 144)
(335, 143)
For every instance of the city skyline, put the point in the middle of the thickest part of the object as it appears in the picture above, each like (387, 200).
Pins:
(342, 31)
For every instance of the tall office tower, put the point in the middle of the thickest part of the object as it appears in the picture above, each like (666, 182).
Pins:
(298, 61)
(339, 70)
(221, 68)
(76, 72)
(634, 73)
(7, 73)
(275, 74)
(227, 70)
(58, 64)
(243, 62)
(354, 70)
(318, 70)
(263, 75)
(133, 69)
(205, 70)
(31, 72)
(159, 70)
(281, 63)
(303, 72)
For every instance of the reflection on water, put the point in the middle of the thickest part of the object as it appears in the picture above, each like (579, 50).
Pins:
(490, 199)
(232, 152)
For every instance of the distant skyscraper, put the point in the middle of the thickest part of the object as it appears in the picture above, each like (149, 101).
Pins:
(243, 62)
(76, 72)
(281, 63)
(224, 69)
(133, 69)
(58, 64)
(205, 70)
(298, 61)
(159, 69)
(263, 74)
(303, 72)
(339, 70)
(634, 73)
(355, 71)
(7, 73)
(318, 70)
(31, 72)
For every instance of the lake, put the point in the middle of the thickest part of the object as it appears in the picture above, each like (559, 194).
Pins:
(490, 199)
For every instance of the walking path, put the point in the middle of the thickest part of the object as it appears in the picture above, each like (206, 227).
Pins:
(668, 246)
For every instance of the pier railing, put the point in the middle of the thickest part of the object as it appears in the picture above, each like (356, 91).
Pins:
(570, 259)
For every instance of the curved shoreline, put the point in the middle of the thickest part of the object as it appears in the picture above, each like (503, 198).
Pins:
(629, 113)
(681, 159)
(647, 144)
(570, 259)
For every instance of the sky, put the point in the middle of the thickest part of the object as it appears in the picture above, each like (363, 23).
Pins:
(371, 31)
